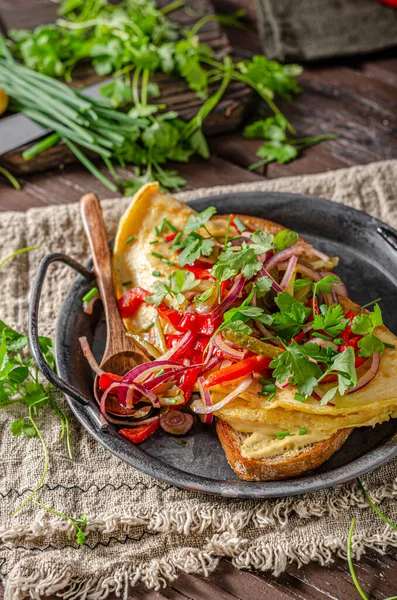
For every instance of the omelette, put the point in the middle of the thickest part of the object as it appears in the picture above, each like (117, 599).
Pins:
(244, 321)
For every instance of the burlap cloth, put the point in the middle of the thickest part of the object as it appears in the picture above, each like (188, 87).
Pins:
(139, 529)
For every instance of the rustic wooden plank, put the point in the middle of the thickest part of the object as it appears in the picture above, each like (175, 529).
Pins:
(63, 186)
(227, 115)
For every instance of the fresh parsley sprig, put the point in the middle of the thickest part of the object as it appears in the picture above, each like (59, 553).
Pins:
(177, 284)
(365, 325)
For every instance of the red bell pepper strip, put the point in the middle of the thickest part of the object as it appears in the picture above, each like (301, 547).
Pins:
(253, 364)
(106, 380)
(141, 433)
(316, 308)
(131, 301)
(187, 381)
(202, 324)
(202, 264)
(171, 236)
(169, 314)
(199, 273)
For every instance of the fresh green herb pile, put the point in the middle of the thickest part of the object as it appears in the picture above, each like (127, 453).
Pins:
(134, 40)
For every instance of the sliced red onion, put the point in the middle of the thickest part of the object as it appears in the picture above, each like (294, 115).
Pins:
(206, 398)
(264, 273)
(211, 364)
(89, 356)
(232, 296)
(283, 386)
(142, 389)
(307, 328)
(319, 254)
(368, 376)
(199, 408)
(226, 363)
(140, 372)
(340, 288)
(289, 272)
(324, 343)
(227, 350)
(88, 307)
(308, 272)
(178, 350)
(176, 422)
(283, 255)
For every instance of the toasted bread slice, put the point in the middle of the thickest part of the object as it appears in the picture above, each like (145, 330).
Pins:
(279, 467)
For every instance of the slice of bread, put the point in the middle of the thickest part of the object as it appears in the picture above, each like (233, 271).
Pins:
(278, 467)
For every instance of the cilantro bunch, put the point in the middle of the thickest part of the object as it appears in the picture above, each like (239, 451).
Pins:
(133, 41)
(278, 147)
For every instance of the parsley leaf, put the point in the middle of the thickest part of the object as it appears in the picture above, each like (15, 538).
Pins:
(324, 286)
(198, 221)
(343, 366)
(234, 259)
(263, 285)
(332, 322)
(262, 242)
(292, 315)
(284, 239)
(177, 283)
(365, 324)
(293, 366)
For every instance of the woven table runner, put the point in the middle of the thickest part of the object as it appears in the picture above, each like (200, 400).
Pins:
(139, 529)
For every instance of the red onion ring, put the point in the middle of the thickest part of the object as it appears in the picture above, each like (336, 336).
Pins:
(289, 271)
(283, 386)
(199, 408)
(206, 398)
(283, 255)
(211, 364)
(176, 422)
(227, 350)
(368, 376)
(89, 356)
(177, 351)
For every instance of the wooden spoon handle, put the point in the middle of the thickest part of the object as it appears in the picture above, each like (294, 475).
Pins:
(96, 233)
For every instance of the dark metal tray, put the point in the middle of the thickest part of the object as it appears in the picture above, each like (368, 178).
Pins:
(368, 265)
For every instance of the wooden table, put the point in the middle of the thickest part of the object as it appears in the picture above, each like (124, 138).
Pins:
(355, 98)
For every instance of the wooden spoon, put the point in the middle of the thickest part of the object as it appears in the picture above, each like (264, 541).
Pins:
(121, 353)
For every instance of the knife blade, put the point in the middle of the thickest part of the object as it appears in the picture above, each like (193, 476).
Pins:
(17, 130)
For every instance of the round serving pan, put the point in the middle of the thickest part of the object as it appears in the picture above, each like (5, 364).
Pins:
(368, 265)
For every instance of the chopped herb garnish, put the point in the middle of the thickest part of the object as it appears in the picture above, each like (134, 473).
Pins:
(156, 231)
(154, 242)
(239, 224)
(130, 239)
(125, 283)
(338, 341)
(300, 397)
(161, 372)
(89, 295)
(272, 396)
(332, 321)
(167, 225)
(163, 258)
(156, 273)
(177, 283)
(365, 324)
(389, 345)
(177, 238)
(324, 337)
(302, 431)
(148, 326)
(280, 435)
(268, 388)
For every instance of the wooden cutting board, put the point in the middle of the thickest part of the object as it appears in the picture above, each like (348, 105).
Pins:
(227, 116)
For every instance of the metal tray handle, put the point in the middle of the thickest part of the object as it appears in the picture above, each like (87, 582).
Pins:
(33, 334)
